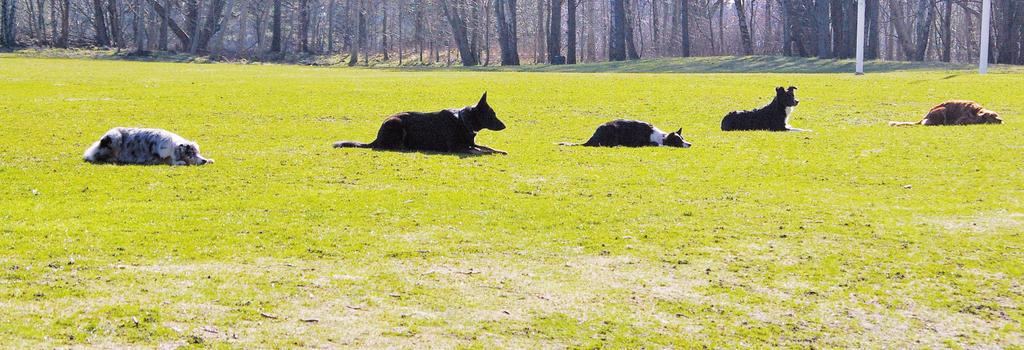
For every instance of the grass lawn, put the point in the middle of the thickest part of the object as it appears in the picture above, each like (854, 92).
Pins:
(854, 235)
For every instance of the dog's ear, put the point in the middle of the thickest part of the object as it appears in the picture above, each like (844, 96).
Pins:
(679, 132)
(779, 89)
(791, 88)
(105, 141)
(483, 100)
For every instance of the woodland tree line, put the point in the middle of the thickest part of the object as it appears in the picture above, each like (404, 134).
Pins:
(510, 32)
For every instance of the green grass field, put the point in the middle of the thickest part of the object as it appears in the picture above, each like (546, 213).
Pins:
(855, 235)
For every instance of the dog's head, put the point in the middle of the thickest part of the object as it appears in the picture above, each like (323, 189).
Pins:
(106, 149)
(189, 153)
(675, 139)
(787, 96)
(485, 116)
(990, 117)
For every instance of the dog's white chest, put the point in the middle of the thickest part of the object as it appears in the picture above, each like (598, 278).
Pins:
(789, 111)
(658, 137)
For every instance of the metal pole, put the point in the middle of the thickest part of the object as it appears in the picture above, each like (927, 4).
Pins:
(860, 36)
(986, 14)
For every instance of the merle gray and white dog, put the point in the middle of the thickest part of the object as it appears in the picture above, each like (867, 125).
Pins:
(144, 147)
(632, 133)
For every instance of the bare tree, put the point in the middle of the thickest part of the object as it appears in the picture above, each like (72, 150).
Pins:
(505, 11)
(99, 23)
(570, 31)
(454, 11)
(823, 34)
(555, 33)
(926, 12)
(140, 27)
(748, 45)
(631, 51)
(275, 36)
(617, 37)
(304, 26)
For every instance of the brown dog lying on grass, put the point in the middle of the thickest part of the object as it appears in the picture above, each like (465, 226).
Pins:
(956, 113)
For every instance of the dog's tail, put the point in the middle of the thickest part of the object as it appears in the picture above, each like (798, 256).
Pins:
(904, 123)
(352, 144)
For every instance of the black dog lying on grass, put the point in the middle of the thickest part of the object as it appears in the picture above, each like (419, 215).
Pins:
(773, 117)
(632, 133)
(450, 130)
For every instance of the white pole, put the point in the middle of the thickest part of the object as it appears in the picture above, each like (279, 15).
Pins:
(986, 14)
(860, 36)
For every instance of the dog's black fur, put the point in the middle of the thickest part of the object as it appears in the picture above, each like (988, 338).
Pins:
(451, 131)
(632, 133)
(773, 117)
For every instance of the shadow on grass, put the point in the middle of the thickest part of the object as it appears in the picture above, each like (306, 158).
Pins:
(426, 153)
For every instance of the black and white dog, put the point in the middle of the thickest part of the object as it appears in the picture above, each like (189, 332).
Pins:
(450, 130)
(773, 117)
(633, 133)
(144, 147)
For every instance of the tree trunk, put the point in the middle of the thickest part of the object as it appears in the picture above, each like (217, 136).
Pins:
(401, 48)
(721, 25)
(505, 13)
(617, 31)
(140, 28)
(925, 16)
(330, 26)
(353, 45)
(570, 31)
(631, 51)
(841, 19)
(540, 46)
(947, 32)
(192, 24)
(591, 41)
(243, 23)
(456, 18)
(418, 27)
(8, 23)
(214, 21)
(1007, 33)
(822, 33)
(873, 34)
(748, 45)
(787, 30)
(684, 28)
(364, 31)
(114, 19)
(555, 33)
(769, 32)
(655, 31)
(65, 23)
(164, 27)
(99, 23)
(275, 28)
(182, 36)
(902, 29)
(304, 26)
(384, 29)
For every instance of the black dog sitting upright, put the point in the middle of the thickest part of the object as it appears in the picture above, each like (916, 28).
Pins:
(773, 117)
(450, 130)
(633, 133)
